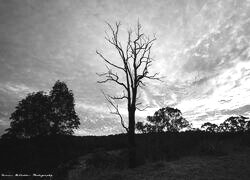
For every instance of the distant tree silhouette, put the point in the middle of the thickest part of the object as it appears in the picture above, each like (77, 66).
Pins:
(31, 117)
(194, 129)
(129, 74)
(248, 126)
(63, 116)
(141, 127)
(234, 124)
(165, 119)
(41, 114)
(210, 127)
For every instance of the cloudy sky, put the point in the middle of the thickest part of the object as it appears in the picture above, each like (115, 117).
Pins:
(202, 50)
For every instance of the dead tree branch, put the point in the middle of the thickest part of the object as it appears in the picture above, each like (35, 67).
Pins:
(116, 107)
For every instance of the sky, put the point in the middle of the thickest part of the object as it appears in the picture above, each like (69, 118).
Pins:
(202, 52)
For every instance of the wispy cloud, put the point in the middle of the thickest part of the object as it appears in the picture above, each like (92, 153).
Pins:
(202, 49)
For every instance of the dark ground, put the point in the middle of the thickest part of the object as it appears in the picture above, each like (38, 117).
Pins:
(234, 165)
(186, 155)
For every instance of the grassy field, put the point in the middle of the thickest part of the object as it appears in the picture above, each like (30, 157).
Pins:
(235, 165)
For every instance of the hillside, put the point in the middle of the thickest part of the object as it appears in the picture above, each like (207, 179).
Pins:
(232, 166)
(60, 155)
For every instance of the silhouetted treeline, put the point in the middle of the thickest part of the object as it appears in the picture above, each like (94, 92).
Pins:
(170, 119)
(231, 124)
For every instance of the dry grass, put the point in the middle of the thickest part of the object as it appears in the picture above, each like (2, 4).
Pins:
(235, 165)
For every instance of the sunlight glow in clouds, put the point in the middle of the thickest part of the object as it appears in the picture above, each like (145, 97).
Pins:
(202, 50)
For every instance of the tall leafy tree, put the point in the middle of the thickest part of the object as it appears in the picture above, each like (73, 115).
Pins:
(165, 119)
(41, 114)
(31, 117)
(63, 116)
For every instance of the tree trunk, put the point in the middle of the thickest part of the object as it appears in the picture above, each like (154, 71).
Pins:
(131, 139)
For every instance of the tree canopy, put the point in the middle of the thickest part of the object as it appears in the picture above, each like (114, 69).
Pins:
(234, 124)
(31, 116)
(63, 116)
(165, 119)
(231, 124)
(210, 127)
(40, 114)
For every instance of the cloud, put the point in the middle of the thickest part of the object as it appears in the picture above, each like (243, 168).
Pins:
(202, 49)
(243, 110)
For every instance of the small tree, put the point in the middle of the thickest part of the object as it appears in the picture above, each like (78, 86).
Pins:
(31, 117)
(63, 116)
(129, 75)
(165, 119)
(209, 127)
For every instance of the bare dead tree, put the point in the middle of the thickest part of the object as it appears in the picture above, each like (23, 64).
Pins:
(136, 60)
